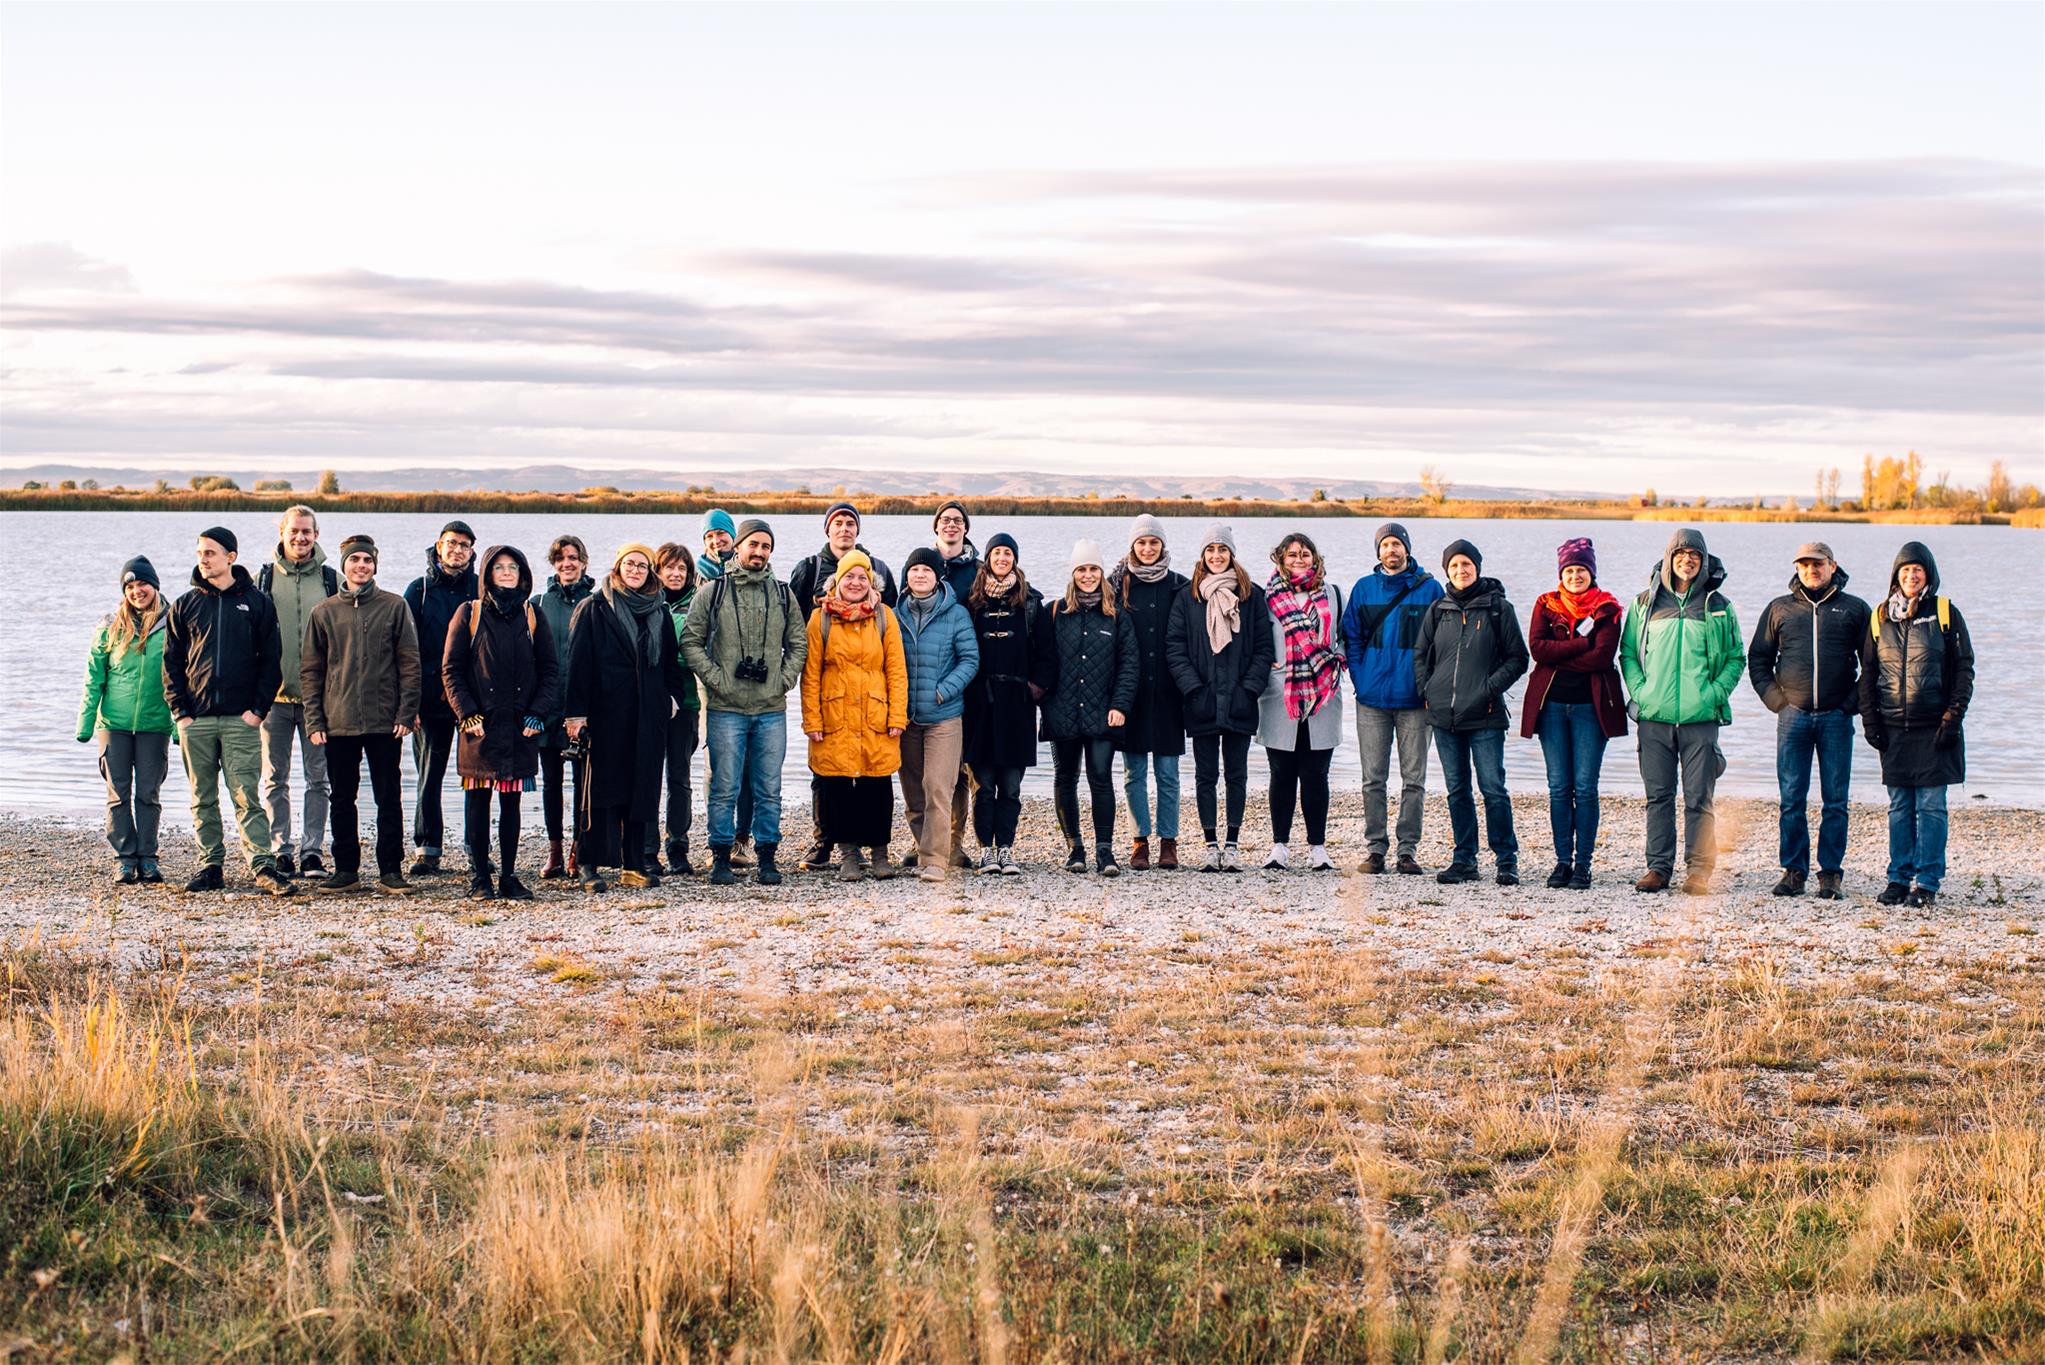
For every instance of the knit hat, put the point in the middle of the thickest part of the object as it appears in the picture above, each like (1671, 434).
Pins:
(1218, 534)
(835, 508)
(1085, 552)
(632, 547)
(222, 537)
(951, 504)
(140, 570)
(1579, 552)
(751, 525)
(1002, 540)
(358, 545)
(928, 557)
(1392, 530)
(459, 526)
(855, 559)
(1145, 525)
(717, 519)
(1461, 547)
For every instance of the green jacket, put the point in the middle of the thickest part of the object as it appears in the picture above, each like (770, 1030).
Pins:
(126, 693)
(1681, 653)
(680, 611)
(748, 612)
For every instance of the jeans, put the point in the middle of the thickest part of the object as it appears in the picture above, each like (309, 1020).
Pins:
(1800, 735)
(284, 726)
(1689, 753)
(1483, 750)
(1214, 755)
(556, 765)
(997, 806)
(133, 765)
(430, 745)
(226, 747)
(746, 749)
(1917, 836)
(1136, 769)
(930, 778)
(1299, 774)
(1573, 746)
(344, 768)
(682, 742)
(1375, 730)
(1099, 757)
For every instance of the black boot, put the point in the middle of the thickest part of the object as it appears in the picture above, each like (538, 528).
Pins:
(720, 866)
(510, 888)
(768, 874)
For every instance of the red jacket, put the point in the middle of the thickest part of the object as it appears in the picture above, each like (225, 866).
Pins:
(1554, 643)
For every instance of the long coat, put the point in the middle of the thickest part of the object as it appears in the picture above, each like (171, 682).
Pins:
(855, 688)
(627, 702)
(1001, 710)
(1157, 722)
(493, 666)
(1220, 692)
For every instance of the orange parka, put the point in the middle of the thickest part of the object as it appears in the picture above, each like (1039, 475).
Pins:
(855, 688)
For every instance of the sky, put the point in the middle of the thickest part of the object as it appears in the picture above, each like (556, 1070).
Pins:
(1707, 248)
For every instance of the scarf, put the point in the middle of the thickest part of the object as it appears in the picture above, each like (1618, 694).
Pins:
(1574, 607)
(670, 596)
(1312, 669)
(841, 610)
(1148, 573)
(998, 589)
(636, 612)
(1087, 601)
(1900, 606)
(1224, 613)
(506, 600)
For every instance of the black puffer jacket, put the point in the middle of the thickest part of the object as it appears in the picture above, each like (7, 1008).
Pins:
(1470, 652)
(434, 598)
(813, 574)
(1220, 692)
(504, 673)
(221, 651)
(1157, 723)
(1805, 654)
(1916, 680)
(1001, 714)
(1093, 670)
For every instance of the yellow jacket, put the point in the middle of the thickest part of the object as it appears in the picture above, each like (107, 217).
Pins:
(855, 688)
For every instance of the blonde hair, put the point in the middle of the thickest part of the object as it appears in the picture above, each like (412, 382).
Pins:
(128, 628)
(296, 509)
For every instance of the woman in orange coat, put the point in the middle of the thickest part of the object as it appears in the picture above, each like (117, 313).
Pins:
(855, 704)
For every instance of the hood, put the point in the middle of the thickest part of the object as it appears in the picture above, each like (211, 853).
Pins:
(1916, 552)
(525, 570)
(740, 575)
(312, 563)
(437, 574)
(242, 582)
(584, 586)
(1483, 588)
(970, 554)
(1688, 538)
(1839, 577)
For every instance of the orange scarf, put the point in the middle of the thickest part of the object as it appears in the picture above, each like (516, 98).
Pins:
(1574, 607)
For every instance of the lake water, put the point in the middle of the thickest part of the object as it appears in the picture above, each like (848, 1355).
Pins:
(46, 627)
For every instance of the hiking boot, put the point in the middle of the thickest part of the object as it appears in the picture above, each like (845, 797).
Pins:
(1828, 886)
(311, 866)
(590, 879)
(1409, 866)
(481, 886)
(1559, 878)
(338, 881)
(1922, 897)
(1697, 884)
(1457, 873)
(638, 878)
(1373, 865)
(1075, 858)
(849, 869)
(1507, 876)
(285, 866)
(554, 866)
(510, 888)
(1210, 861)
(1231, 858)
(1139, 856)
(267, 880)
(1104, 862)
(209, 878)
(678, 862)
(1895, 893)
(393, 883)
(879, 866)
(818, 859)
(1168, 855)
(425, 865)
(741, 852)
(1580, 880)
(767, 874)
(1009, 866)
(1653, 881)
(1792, 883)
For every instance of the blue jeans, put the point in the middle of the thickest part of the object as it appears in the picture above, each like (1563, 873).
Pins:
(1800, 735)
(1483, 750)
(1917, 836)
(750, 749)
(1136, 787)
(1573, 746)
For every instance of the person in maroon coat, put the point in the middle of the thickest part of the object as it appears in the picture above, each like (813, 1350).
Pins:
(1574, 702)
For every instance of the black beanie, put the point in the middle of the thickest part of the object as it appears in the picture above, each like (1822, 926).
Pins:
(952, 503)
(461, 526)
(222, 537)
(140, 570)
(928, 557)
(1461, 547)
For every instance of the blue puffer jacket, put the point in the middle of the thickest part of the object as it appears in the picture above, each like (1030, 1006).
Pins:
(943, 652)
(1381, 639)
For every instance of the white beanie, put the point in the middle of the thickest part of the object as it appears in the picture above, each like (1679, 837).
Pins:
(1085, 552)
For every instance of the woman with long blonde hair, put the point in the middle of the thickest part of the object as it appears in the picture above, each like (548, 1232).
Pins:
(124, 706)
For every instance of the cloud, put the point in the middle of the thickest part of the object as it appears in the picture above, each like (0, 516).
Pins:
(35, 267)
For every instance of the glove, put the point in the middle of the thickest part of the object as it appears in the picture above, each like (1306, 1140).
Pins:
(1877, 739)
(1948, 733)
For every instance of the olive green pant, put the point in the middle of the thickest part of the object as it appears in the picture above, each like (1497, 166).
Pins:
(227, 746)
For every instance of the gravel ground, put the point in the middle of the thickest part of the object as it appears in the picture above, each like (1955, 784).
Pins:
(883, 941)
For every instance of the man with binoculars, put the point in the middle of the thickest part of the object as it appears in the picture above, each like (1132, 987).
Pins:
(746, 640)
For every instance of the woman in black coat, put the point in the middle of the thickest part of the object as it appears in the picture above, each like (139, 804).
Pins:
(502, 680)
(1145, 586)
(625, 677)
(1219, 654)
(1091, 661)
(1001, 701)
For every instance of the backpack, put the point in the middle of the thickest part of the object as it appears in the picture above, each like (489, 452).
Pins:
(716, 592)
(887, 613)
(267, 575)
(476, 620)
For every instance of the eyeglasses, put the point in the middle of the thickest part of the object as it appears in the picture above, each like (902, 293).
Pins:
(951, 521)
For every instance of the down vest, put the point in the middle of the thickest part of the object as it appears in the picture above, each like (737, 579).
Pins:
(1095, 670)
(1220, 691)
(943, 653)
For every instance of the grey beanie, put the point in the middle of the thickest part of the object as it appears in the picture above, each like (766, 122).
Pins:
(1218, 534)
(1145, 525)
(752, 524)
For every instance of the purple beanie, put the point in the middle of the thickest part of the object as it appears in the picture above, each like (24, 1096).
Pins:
(1577, 551)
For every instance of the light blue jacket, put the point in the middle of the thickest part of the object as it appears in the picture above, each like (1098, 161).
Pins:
(943, 653)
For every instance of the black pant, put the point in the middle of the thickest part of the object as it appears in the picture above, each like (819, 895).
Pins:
(855, 810)
(1099, 755)
(430, 745)
(608, 840)
(1212, 756)
(553, 782)
(997, 806)
(681, 795)
(1299, 773)
(344, 776)
(476, 828)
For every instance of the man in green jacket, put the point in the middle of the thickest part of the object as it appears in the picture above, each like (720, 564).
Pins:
(1681, 656)
(297, 579)
(746, 640)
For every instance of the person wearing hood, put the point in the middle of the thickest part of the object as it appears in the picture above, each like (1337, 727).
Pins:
(855, 706)
(943, 656)
(296, 580)
(1916, 680)
(568, 587)
(1001, 703)
(123, 705)
(1470, 653)
(675, 567)
(625, 677)
(1145, 585)
(503, 680)
(809, 581)
(1381, 630)
(719, 534)
(1301, 721)
(1681, 657)
(1804, 661)
(1089, 650)
(1219, 656)
(435, 597)
(360, 675)
(220, 675)
(745, 640)
(1574, 703)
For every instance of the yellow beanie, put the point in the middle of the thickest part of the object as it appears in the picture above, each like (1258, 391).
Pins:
(631, 547)
(855, 559)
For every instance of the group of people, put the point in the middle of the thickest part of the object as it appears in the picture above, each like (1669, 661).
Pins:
(947, 678)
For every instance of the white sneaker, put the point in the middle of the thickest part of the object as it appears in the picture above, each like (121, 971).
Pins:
(1231, 859)
(1318, 859)
(1281, 858)
(1210, 861)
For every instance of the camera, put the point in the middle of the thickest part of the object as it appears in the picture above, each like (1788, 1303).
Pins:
(751, 670)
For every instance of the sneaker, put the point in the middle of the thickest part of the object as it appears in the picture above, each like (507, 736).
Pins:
(932, 872)
(1507, 876)
(338, 881)
(818, 859)
(1279, 858)
(481, 886)
(1373, 866)
(210, 879)
(152, 875)
(266, 879)
(1895, 893)
(390, 883)
(1792, 883)
(879, 866)
(510, 888)
(1559, 878)
(1653, 881)
(425, 865)
(1922, 897)
(1231, 858)
(127, 875)
(311, 866)
(285, 866)
(1828, 886)
(1009, 866)
(1075, 859)
(1318, 859)
(1409, 866)
(1580, 880)
(1210, 861)
(766, 874)
(1456, 873)
(990, 861)
(1104, 862)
